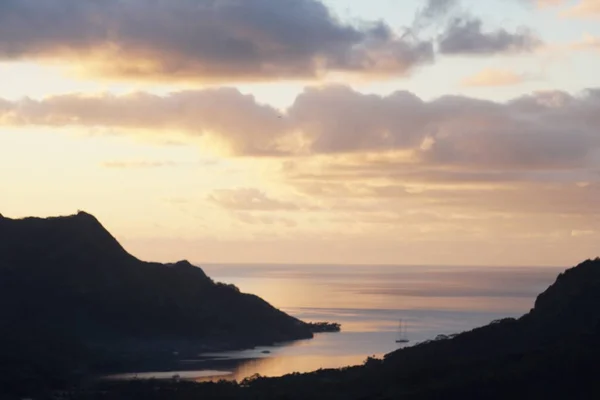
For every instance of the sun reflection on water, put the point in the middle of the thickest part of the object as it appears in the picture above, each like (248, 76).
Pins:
(368, 302)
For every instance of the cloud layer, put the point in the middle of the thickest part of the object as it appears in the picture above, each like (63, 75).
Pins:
(241, 40)
(378, 163)
(544, 130)
(203, 39)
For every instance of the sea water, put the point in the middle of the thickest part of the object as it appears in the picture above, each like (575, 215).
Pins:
(368, 301)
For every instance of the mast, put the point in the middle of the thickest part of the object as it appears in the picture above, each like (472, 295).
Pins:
(403, 332)
(402, 338)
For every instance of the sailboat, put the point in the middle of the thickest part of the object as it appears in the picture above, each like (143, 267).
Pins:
(402, 338)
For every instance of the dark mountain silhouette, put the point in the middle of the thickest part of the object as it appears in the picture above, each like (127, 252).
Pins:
(552, 352)
(66, 283)
(71, 297)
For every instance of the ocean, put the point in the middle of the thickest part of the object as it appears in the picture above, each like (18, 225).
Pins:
(368, 301)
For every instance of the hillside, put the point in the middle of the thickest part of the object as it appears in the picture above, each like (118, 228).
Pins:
(551, 352)
(67, 282)
(72, 298)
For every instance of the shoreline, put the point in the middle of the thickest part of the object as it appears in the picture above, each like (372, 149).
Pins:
(211, 359)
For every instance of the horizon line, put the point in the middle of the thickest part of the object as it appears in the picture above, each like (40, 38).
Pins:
(289, 264)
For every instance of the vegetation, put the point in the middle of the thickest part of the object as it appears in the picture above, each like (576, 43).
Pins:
(72, 300)
(551, 352)
(69, 275)
(320, 327)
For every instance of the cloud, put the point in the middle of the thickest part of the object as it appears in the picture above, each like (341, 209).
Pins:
(589, 42)
(494, 77)
(262, 219)
(138, 164)
(202, 40)
(576, 233)
(547, 3)
(465, 36)
(581, 8)
(238, 121)
(463, 33)
(437, 8)
(541, 131)
(584, 9)
(433, 12)
(249, 199)
(234, 40)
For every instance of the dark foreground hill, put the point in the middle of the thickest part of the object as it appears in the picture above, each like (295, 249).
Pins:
(72, 298)
(552, 352)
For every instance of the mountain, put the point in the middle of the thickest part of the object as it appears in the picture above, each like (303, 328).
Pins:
(71, 296)
(66, 283)
(551, 352)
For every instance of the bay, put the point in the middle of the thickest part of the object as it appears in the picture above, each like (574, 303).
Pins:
(368, 301)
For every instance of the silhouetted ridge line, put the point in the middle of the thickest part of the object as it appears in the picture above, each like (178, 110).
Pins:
(552, 352)
(39, 238)
(68, 277)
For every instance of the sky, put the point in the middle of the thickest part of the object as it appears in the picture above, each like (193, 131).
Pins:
(418, 132)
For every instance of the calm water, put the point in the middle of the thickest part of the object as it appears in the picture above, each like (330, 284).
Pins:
(368, 301)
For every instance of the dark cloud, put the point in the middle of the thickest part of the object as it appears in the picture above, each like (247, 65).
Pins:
(435, 10)
(202, 39)
(241, 40)
(465, 36)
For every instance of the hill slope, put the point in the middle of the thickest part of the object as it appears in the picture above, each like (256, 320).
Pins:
(67, 278)
(551, 352)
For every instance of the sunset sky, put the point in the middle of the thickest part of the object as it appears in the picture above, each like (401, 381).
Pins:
(303, 131)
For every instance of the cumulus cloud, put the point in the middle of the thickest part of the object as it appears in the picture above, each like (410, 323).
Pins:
(234, 40)
(391, 164)
(237, 120)
(203, 40)
(544, 130)
(465, 35)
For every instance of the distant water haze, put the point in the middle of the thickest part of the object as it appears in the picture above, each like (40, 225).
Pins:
(494, 289)
(368, 301)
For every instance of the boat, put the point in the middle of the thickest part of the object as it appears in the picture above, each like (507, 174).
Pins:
(402, 338)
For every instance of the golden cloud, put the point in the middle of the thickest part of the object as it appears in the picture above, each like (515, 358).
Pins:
(494, 77)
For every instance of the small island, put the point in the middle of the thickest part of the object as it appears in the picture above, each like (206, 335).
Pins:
(321, 327)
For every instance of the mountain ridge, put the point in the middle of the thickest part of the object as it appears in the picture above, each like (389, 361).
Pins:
(69, 274)
(551, 352)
